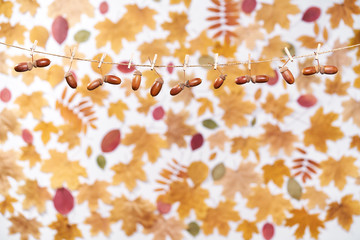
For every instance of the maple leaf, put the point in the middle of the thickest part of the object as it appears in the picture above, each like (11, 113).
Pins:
(248, 229)
(218, 139)
(129, 173)
(337, 86)
(278, 139)
(69, 135)
(149, 49)
(201, 43)
(63, 170)
(276, 172)
(65, 230)
(118, 109)
(219, 217)
(146, 103)
(9, 168)
(206, 104)
(281, 9)
(339, 58)
(8, 123)
(125, 28)
(46, 129)
(343, 12)
(337, 171)
(93, 193)
(162, 228)
(245, 145)
(344, 211)
(31, 104)
(351, 110)
(268, 204)
(71, 10)
(177, 128)
(249, 35)
(186, 2)
(7, 204)
(321, 129)
(357, 80)
(239, 180)
(315, 197)
(355, 40)
(176, 27)
(304, 220)
(12, 34)
(355, 142)
(139, 211)
(277, 107)
(6, 8)
(29, 153)
(34, 195)
(274, 48)
(4, 68)
(98, 224)
(97, 95)
(225, 49)
(28, 6)
(26, 227)
(308, 41)
(304, 82)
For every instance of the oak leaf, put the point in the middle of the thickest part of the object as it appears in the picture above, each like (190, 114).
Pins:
(46, 129)
(277, 107)
(8, 123)
(249, 34)
(98, 224)
(336, 86)
(276, 172)
(26, 227)
(248, 229)
(31, 104)
(34, 195)
(176, 26)
(118, 109)
(343, 12)
(315, 197)
(344, 211)
(355, 142)
(162, 228)
(177, 128)
(351, 110)
(268, 204)
(321, 130)
(12, 34)
(28, 6)
(65, 230)
(6, 8)
(97, 95)
(149, 49)
(218, 139)
(9, 168)
(7, 204)
(304, 220)
(245, 145)
(219, 218)
(93, 193)
(63, 170)
(239, 180)
(129, 173)
(337, 171)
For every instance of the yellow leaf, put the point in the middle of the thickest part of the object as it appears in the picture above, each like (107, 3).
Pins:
(88, 151)
(218, 139)
(225, 49)
(239, 180)
(357, 80)
(304, 220)
(31, 104)
(355, 40)
(129, 173)
(201, 43)
(29, 153)
(98, 224)
(337, 171)
(219, 218)
(177, 128)
(315, 197)
(355, 142)
(276, 13)
(8, 123)
(63, 170)
(206, 104)
(245, 145)
(35, 196)
(276, 172)
(343, 11)
(148, 50)
(308, 41)
(186, 2)
(105, 68)
(248, 229)
(12, 34)
(9, 168)
(351, 110)
(118, 109)
(6, 8)
(278, 139)
(274, 48)
(321, 130)
(277, 107)
(249, 34)
(162, 228)
(55, 75)
(46, 129)
(176, 26)
(198, 172)
(69, 135)
(65, 230)
(126, 27)
(26, 227)
(144, 143)
(337, 86)
(40, 34)
(146, 103)
(93, 193)
(7, 204)
(4, 68)
(28, 6)
(344, 211)
(339, 59)
(97, 96)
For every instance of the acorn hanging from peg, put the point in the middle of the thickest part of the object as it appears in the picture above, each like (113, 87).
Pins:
(327, 69)
(254, 79)
(220, 79)
(27, 66)
(69, 77)
(112, 79)
(193, 82)
(177, 89)
(156, 87)
(285, 72)
(136, 81)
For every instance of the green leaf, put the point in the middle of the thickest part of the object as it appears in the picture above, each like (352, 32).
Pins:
(209, 123)
(206, 59)
(193, 228)
(101, 161)
(82, 36)
(294, 189)
(218, 172)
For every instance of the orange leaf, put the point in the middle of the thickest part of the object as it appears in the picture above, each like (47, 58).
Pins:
(245, 145)
(176, 27)
(277, 107)
(118, 109)
(315, 197)
(9, 169)
(355, 142)
(65, 230)
(98, 224)
(29, 153)
(337, 86)
(93, 193)
(129, 173)
(351, 110)
(34, 195)
(177, 128)
(218, 139)
(343, 12)
(276, 172)
(46, 129)
(7, 204)
(278, 139)
(248, 229)
(26, 227)
(8, 123)
(12, 33)
(162, 228)
(198, 172)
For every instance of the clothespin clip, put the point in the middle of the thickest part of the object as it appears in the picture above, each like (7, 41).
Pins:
(153, 62)
(131, 57)
(317, 52)
(72, 57)
(288, 54)
(249, 63)
(33, 49)
(102, 60)
(70, 79)
(186, 62)
(216, 61)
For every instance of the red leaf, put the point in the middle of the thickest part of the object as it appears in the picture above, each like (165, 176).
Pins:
(312, 14)
(104, 7)
(110, 141)
(274, 80)
(60, 29)
(170, 69)
(197, 141)
(158, 113)
(63, 201)
(307, 100)
(5, 95)
(27, 136)
(163, 208)
(124, 68)
(268, 231)
(248, 6)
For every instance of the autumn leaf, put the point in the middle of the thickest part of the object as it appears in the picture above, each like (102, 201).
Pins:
(139, 211)
(69, 135)
(146, 103)
(55, 75)
(201, 43)
(35, 196)
(239, 180)
(126, 27)
(177, 128)
(281, 9)
(343, 12)
(206, 104)
(278, 139)
(7, 204)
(186, 2)
(249, 34)
(337, 86)
(93, 193)
(149, 49)
(304, 82)
(219, 218)
(129, 173)
(26, 227)
(225, 49)
(198, 172)
(8, 123)
(65, 230)
(351, 110)
(276, 172)
(315, 197)
(12, 34)
(176, 26)
(321, 129)
(6, 8)
(118, 109)
(97, 96)
(31, 104)
(46, 129)
(355, 40)
(98, 224)
(40, 34)
(355, 142)
(344, 211)
(162, 228)
(4, 68)
(248, 229)
(277, 107)
(305, 220)
(339, 59)
(245, 145)
(71, 10)
(63, 170)
(28, 6)
(357, 80)
(9, 168)
(337, 171)
(308, 41)
(268, 204)
(218, 139)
